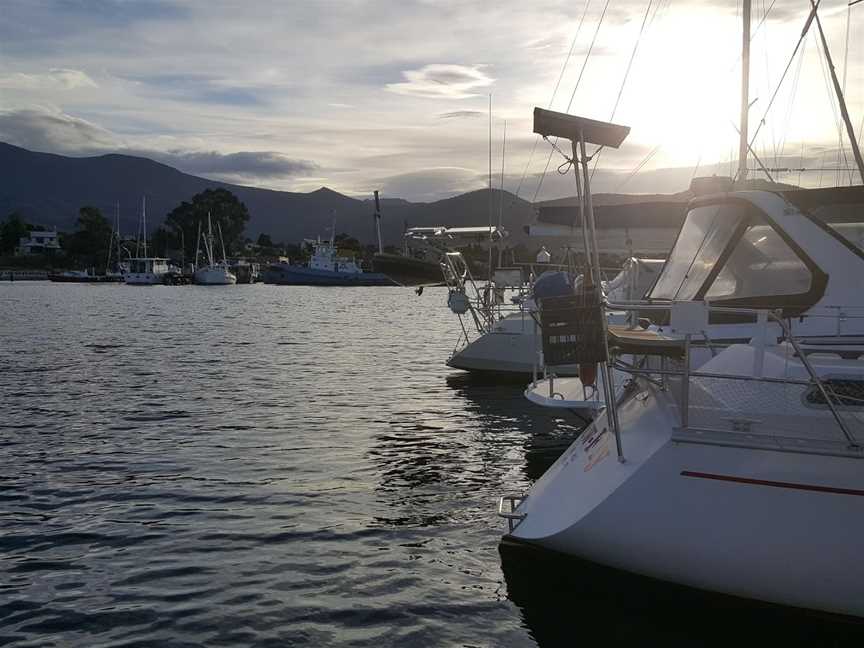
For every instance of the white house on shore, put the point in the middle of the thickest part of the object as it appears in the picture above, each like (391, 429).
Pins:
(38, 242)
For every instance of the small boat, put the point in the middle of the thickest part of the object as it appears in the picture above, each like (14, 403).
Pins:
(147, 271)
(215, 273)
(84, 276)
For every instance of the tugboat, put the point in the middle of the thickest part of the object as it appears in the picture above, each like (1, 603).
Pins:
(325, 268)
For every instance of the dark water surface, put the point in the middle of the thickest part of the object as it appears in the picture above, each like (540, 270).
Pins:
(262, 465)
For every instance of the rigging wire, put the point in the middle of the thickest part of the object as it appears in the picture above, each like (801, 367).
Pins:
(554, 94)
(804, 33)
(573, 95)
(638, 168)
(823, 66)
(789, 110)
(624, 80)
(845, 67)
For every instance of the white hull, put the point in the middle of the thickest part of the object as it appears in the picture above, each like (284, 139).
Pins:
(511, 347)
(144, 278)
(777, 526)
(214, 276)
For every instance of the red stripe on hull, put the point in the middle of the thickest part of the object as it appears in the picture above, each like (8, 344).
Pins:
(774, 484)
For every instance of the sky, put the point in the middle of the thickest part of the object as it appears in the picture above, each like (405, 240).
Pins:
(394, 95)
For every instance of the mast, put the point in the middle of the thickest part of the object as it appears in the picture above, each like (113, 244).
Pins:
(378, 223)
(491, 208)
(745, 92)
(208, 241)
(501, 202)
(222, 241)
(198, 245)
(117, 234)
(110, 246)
(144, 222)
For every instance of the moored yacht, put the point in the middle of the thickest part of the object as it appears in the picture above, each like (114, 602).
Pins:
(214, 273)
(147, 271)
(510, 343)
(733, 467)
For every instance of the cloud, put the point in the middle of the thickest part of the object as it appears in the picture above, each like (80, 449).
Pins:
(43, 129)
(243, 164)
(461, 114)
(439, 80)
(431, 184)
(54, 79)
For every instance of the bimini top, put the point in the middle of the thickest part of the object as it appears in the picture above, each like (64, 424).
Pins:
(755, 249)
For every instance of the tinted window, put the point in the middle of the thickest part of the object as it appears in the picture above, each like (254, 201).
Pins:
(761, 264)
(705, 234)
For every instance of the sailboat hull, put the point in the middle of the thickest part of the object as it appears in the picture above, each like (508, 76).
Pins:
(782, 527)
(214, 276)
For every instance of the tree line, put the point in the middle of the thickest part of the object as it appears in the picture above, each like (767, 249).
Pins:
(89, 244)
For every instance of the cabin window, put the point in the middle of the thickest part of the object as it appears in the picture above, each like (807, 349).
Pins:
(704, 235)
(761, 265)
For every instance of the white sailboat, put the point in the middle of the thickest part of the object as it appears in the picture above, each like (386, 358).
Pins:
(145, 270)
(214, 273)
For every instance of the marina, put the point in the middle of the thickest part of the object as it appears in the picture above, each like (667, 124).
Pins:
(619, 404)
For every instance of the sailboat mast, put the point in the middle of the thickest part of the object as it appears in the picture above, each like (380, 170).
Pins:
(198, 245)
(222, 242)
(144, 221)
(491, 203)
(745, 92)
(378, 223)
(208, 244)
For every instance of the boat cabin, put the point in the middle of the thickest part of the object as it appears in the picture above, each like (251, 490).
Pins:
(151, 265)
(755, 249)
(324, 257)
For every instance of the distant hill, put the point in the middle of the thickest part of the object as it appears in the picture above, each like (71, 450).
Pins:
(48, 189)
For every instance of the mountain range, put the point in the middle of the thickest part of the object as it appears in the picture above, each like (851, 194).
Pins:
(49, 189)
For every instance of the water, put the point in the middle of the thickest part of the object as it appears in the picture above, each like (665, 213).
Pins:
(261, 465)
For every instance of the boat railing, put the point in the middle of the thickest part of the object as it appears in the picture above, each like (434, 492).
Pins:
(485, 302)
(783, 413)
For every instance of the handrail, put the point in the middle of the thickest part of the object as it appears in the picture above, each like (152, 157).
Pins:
(763, 317)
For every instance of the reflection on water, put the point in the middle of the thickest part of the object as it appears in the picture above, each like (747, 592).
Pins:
(499, 404)
(261, 465)
(568, 602)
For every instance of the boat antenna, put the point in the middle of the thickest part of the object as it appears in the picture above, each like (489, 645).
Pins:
(378, 223)
(745, 92)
